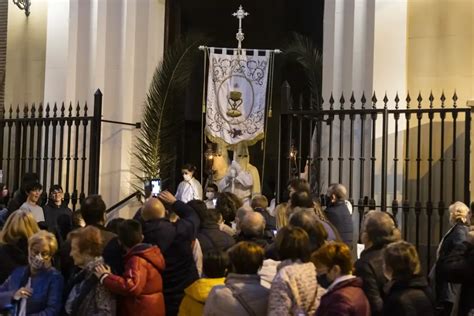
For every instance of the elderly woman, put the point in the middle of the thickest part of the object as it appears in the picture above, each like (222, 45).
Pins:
(19, 227)
(36, 289)
(447, 293)
(85, 295)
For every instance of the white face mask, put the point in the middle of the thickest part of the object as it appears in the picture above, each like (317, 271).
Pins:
(38, 263)
(187, 177)
(210, 195)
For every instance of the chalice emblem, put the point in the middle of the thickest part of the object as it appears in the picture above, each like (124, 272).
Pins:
(235, 101)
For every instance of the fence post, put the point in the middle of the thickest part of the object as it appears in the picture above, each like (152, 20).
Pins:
(94, 149)
(467, 157)
(384, 159)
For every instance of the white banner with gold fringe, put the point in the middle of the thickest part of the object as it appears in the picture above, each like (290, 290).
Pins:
(236, 96)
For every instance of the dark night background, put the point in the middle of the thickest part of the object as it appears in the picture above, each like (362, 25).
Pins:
(269, 26)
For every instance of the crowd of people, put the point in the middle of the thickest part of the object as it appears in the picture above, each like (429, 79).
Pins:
(181, 255)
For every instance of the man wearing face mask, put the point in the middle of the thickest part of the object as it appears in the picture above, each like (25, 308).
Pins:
(344, 294)
(36, 288)
(190, 188)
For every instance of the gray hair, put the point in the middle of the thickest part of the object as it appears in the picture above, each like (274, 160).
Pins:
(253, 224)
(339, 191)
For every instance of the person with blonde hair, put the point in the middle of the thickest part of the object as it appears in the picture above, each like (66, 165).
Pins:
(18, 228)
(37, 288)
(447, 293)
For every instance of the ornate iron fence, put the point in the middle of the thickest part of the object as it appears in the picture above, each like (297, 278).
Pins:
(411, 160)
(59, 142)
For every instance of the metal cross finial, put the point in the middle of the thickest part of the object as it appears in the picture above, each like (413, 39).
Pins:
(240, 15)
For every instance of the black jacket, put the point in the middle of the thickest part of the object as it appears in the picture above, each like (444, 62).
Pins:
(175, 242)
(455, 236)
(338, 214)
(58, 220)
(370, 269)
(262, 241)
(211, 237)
(12, 256)
(458, 267)
(19, 197)
(409, 298)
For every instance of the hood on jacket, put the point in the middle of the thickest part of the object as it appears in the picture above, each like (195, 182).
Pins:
(201, 288)
(150, 253)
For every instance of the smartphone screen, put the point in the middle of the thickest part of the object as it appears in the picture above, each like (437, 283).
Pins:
(155, 187)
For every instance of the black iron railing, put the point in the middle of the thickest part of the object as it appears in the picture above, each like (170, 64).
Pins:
(59, 142)
(413, 161)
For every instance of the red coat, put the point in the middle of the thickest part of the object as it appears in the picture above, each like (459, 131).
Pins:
(141, 285)
(345, 299)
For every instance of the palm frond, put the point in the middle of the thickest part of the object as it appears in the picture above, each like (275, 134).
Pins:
(303, 50)
(163, 116)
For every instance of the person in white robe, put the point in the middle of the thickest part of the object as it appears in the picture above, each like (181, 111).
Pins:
(190, 188)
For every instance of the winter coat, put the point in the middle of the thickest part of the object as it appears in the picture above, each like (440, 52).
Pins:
(445, 291)
(294, 289)
(112, 254)
(195, 296)
(344, 299)
(175, 242)
(47, 288)
(211, 237)
(85, 296)
(241, 295)
(140, 286)
(409, 298)
(458, 267)
(369, 268)
(338, 214)
(12, 256)
(58, 220)
(262, 241)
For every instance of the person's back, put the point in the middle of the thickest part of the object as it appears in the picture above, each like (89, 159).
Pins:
(141, 286)
(175, 242)
(295, 288)
(408, 293)
(242, 293)
(338, 213)
(214, 269)
(412, 297)
(377, 231)
(210, 236)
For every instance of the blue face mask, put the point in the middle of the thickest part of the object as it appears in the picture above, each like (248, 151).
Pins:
(323, 280)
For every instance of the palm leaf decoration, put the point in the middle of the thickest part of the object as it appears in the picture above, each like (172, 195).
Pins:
(303, 50)
(163, 114)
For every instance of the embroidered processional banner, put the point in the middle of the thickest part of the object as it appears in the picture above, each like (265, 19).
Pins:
(236, 97)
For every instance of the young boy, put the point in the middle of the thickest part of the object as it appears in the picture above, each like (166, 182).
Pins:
(141, 284)
(33, 191)
(215, 265)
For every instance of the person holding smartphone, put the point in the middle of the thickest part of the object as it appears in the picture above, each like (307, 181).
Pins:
(190, 188)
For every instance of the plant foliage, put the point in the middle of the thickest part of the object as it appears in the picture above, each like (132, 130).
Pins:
(303, 50)
(163, 114)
